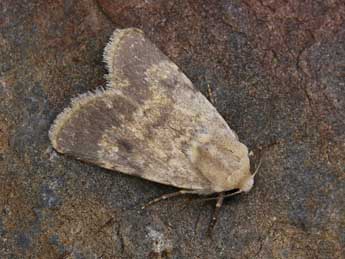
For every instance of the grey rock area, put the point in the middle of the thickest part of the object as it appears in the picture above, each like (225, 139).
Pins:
(277, 73)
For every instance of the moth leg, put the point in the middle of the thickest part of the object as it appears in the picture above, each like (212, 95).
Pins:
(167, 196)
(219, 204)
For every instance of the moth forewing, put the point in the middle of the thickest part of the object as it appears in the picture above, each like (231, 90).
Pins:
(151, 122)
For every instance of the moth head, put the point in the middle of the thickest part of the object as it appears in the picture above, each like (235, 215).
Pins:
(248, 182)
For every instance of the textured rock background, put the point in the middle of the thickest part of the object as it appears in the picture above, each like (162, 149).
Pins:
(277, 70)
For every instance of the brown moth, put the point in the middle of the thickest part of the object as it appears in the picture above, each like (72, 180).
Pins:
(151, 122)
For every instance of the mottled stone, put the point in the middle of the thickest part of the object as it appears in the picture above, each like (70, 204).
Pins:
(275, 69)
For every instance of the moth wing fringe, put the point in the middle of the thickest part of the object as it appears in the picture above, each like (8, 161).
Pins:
(111, 48)
(75, 104)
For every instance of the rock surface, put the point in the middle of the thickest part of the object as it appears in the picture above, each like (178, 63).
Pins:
(277, 72)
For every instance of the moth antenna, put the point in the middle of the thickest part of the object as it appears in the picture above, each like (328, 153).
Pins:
(224, 196)
(211, 97)
(232, 194)
(257, 168)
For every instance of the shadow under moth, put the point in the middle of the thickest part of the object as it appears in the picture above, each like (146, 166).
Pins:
(150, 121)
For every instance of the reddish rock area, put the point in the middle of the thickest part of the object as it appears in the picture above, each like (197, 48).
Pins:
(277, 73)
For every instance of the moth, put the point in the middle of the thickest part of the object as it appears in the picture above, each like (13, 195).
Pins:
(150, 121)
